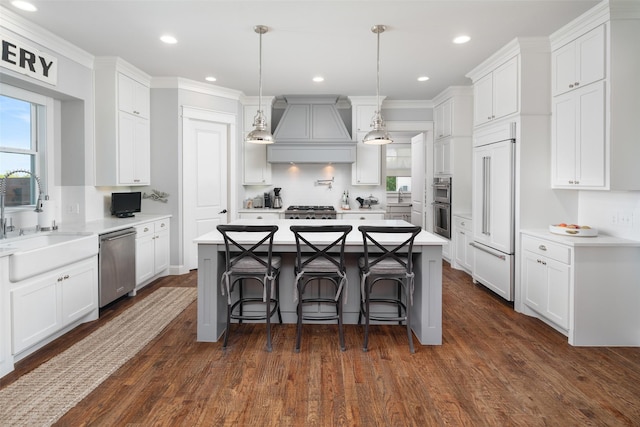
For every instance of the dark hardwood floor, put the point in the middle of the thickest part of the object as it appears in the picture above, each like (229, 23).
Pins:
(496, 367)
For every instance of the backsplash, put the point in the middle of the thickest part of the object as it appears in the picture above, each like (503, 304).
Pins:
(300, 185)
(616, 213)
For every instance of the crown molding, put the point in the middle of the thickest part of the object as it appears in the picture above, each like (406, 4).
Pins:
(194, 86)
(33, 33)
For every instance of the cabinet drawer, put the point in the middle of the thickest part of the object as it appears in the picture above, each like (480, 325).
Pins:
(547, 248)
(143, 230)
(460, 222)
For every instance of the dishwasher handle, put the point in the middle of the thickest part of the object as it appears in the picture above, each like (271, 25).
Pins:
(110, 237)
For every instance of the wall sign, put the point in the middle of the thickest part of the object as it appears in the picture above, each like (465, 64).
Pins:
(29, 61)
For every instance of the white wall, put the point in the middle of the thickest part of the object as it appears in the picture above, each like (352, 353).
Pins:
(608, 211)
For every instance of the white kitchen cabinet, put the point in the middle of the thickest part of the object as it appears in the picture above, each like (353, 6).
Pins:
(584, 287)
(366, 170)
(259, 215)
(578, 138)
(579, 62)
(256, 170)
(45, 304)
(546, 273)
(152, 250)
(442, 166)
(594, 133)
(446, 250)
(495, 95)
(443, 118)
(461, 238)
(122, 124)
(361, 215)
(399, 212)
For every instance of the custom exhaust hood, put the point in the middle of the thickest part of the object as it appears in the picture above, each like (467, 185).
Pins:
(311, 131)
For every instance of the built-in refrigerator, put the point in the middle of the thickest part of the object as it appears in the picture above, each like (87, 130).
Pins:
(493, 209)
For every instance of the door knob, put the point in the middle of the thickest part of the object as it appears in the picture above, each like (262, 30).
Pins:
(223, 211)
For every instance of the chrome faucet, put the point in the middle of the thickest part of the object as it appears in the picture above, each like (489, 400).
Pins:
(399, 196)
(3, 193)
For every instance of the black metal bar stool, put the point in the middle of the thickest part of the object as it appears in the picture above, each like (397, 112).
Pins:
(385, 262)
(320, 257)
(249, 258)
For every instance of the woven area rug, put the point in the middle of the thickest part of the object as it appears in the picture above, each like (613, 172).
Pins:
(42, 396)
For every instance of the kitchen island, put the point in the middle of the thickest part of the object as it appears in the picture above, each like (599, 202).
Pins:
(427, 309)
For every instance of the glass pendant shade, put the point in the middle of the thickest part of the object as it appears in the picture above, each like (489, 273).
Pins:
(379, 135)
(260, 134)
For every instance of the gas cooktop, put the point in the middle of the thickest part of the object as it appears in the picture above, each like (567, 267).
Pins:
(310, 208)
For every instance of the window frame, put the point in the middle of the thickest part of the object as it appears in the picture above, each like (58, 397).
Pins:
(42, 139)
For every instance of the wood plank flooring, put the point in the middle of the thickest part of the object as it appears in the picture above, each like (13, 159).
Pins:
(496, 367)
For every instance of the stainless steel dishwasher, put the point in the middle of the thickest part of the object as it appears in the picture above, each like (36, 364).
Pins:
(117, 264)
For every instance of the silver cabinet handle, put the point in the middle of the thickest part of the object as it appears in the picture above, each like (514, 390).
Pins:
(542, 247)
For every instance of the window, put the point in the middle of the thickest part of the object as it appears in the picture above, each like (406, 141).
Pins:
(22, 147)
(398, 167)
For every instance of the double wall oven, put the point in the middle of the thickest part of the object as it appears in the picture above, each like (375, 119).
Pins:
(442, 207)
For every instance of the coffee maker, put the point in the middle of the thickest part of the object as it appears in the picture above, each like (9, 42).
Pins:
(277, 200)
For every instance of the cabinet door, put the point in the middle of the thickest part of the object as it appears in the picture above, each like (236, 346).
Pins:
(546, 287)
(591, 60)
(564, 68)
(256, 169)
(161, 250)
(578, 138)
(133, 97)
(134, 150)
(145, 258)
(364, 116)
(79, 289)
(366, 169)
(36, 308)
(505, 89)
(483, 100)
(442, 157)
(443, 119)
(591, 136)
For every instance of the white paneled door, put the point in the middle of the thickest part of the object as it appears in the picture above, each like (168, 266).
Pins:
(206, 137)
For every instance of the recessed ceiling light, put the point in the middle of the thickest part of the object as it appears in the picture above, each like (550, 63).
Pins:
(461, 39)
(210, 79)
(23, 5)
(423, 78)
(318, 79)
(169, 39)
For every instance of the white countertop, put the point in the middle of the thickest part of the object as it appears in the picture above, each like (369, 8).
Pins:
(600, 240)
(104, 225)
(284, 236)
(358, 211)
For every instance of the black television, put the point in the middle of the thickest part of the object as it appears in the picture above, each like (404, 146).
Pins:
(124, 205)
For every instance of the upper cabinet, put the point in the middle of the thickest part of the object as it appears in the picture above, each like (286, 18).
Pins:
(595, 66)
(579, 62)
(496, 93)
(256, 170)
(123, 142)
(366, 169)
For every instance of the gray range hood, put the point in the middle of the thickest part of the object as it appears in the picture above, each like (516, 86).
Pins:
(311, 131)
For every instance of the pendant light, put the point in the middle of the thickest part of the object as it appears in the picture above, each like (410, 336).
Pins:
(379, 135)
(260, 134)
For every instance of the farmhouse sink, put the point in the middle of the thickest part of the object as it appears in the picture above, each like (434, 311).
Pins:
(399, 204)
(40, 253)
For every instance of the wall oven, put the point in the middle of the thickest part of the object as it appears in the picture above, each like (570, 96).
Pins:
(442, 190)
(442, 207)
(442, 219)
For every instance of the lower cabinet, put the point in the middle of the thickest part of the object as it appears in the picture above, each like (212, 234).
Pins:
(399, 212)
(461, 237)
(45, 304)
(259, 215)
(585, 287)
(546, 269)
(361, 216)
(152, 249)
